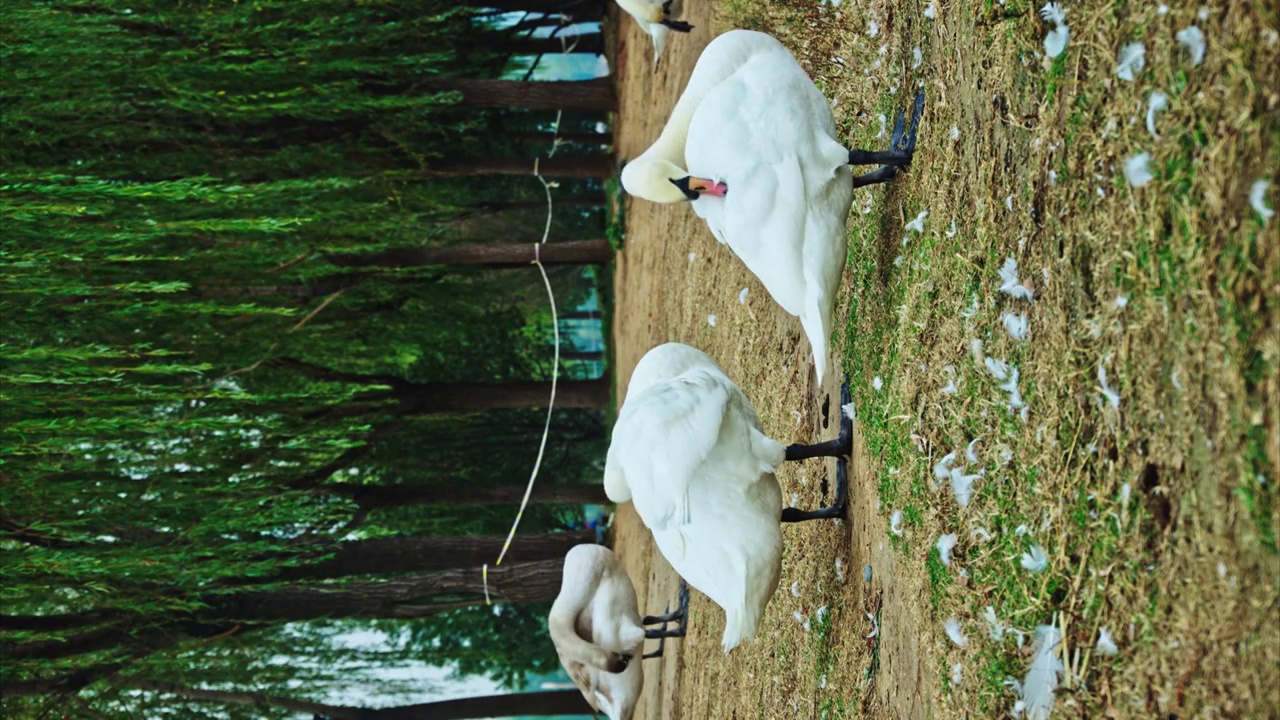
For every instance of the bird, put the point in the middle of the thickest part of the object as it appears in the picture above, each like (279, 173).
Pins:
(689, 453)
(751, 144)
(596, 627)
(654, 17)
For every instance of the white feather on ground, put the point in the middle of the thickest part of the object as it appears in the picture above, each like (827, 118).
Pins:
(962, 485)
(1192, 38)
(1130, 60)
(942, 468)
(1009, 280)
(1137, 169)
(1056, 41)
(931, 12)
(1106, 645)
(995, 628)
(895, 522)
(918, 223)
(1258, 199)
(875, 625)
(952, 626)
(999, 369)
(969, 454)
(1011, 387)
(1158, 102)
(1113, 397)
(944, 545)
(1016, 325)
(742, 296)
(1042, 678)
(955, 673)
(980, 533)
(849, 411)
(1034, 560)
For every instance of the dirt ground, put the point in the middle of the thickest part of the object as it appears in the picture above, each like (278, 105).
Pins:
(1186, 576)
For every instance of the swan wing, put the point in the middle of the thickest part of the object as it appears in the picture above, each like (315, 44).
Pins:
(662, 437)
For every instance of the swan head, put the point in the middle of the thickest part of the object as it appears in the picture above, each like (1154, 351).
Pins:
(662, 181)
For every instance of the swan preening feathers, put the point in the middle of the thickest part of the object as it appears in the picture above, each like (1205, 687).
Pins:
(688, 451)
(751, 142)
(596, 626)
(655, 17)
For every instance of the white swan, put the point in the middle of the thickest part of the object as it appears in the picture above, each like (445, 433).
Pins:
(597, 630)
(689, 452)
(654, 17)
(765, 170)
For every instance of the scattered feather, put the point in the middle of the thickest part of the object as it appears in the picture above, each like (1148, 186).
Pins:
(1130, 60)
(873, 28)
(1122, 302)
(1053, 13)
(1008, 202)
(711, 320)
(849, 411)
(742, 296)
(955, 673)
(962, 485)
(951, 232)
(1035, 560)
(968, 451)
(795, 589)
(950, 388)
(942, 468)
(916, 58)
(999, 369)
(952, 626)
(1258, 199)
(799, 618)
(1106, 646)
(693, 256)
(877, 383)
(995, 628)
(1192, 38)
(918, 223)
(1055, 43)
(975, 349)
(1158, 102)
(931, 12)
(944, 545)
(1113, 397)
(1016, 325)
(839, 570)
(1042, 678)
(895, 523)
(1009, 281)
(1162, 9)
(980, 533)
(1015, 395)
(875, 625)
(882, 120)
(1137, 169)
(1022, 530)
(955, 133)
(821, 614)
(1125, 492)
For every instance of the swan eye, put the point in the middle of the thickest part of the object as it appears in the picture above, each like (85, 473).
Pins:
(683, 185)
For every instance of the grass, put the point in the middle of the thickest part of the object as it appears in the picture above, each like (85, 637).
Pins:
(1184, 573)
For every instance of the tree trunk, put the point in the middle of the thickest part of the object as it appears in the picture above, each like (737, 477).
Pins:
(422, 554)
(380, 496)
(594, 94)
(557, 702)
(431, 398)
(495, 255)
(562, 166)
(564, 42)
(408, 596)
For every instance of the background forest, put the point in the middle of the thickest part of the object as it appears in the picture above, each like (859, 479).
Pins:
(275, 364)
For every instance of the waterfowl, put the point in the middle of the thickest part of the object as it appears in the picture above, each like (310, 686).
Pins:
(597, 629)
(654, 17)
(752, 144)
(688, 451)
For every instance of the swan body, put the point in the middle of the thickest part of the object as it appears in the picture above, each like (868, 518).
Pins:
(751, 119)
(689, 452)
(596, 627)
(651, 14)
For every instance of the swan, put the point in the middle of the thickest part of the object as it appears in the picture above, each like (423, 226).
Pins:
(688, 451)
(750, 120)
(597, 629)
(654, 17)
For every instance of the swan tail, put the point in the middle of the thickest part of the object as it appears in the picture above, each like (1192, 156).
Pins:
(738, 628)
(817, 328)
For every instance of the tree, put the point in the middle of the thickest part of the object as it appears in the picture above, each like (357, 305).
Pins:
(498, 255)
(595, 94)
(581, 166)
(375, 496)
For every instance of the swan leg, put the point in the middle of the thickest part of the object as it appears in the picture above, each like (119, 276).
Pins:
(841, 447)
(662, 641)
(879, 157)
(678, 25)
(884, 174)
(680, 615)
